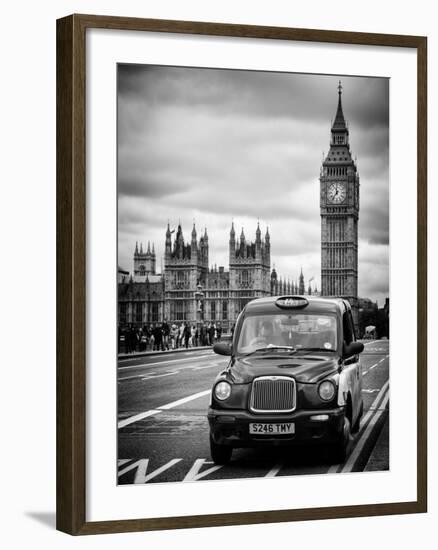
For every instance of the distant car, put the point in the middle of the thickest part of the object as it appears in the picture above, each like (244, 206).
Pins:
(293, 378)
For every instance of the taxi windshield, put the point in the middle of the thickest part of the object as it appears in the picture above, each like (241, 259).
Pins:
(293, 330)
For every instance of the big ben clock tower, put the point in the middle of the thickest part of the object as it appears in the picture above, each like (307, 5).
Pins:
(339, 204)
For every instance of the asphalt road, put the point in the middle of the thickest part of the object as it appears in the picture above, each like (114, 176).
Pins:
(163, 428)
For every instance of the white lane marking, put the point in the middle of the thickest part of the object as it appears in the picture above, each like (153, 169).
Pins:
(194, 473)
(133, 376)
(122, 461)
(274, 471)
(333, 469)
(370, 391)
(149, 377)
(142, 466)
(372, 367)
(365, 372)
(157, 410)
(208, 366)
(197, 358)
(136, 418)
(185, 400)
(378, 363)
(163, 354)
(348, 466)
(369, 343)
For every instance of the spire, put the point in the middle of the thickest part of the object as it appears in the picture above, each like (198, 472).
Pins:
(153, 249)
(141, 248)
(301, 289)
(258, 232)
(339, 122)
(232, 232)
(242, 236)
(136, 248)
(149, 247)
(205, 235)
(194, 232)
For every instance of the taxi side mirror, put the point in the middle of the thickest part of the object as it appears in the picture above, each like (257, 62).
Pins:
(353, 349)
(222, 349)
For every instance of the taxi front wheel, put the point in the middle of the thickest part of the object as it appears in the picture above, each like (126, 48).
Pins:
(221, 454)
(339, 450)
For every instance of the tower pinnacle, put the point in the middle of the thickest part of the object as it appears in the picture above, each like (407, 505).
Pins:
(339, 122)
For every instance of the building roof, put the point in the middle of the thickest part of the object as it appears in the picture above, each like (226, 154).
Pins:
(149, 277)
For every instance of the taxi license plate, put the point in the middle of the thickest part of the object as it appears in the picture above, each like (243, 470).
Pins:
(271, 429)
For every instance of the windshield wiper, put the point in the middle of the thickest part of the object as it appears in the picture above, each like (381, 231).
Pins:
(271, 348)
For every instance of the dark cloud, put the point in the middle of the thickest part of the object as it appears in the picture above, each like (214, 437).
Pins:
(212, 145)
(256, 93)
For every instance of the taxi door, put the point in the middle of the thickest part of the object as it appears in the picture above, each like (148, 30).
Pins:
(350, 378)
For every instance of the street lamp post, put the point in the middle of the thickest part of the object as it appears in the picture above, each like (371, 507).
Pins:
(199, 297)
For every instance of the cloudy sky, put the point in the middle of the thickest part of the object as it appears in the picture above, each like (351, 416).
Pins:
(212, 146)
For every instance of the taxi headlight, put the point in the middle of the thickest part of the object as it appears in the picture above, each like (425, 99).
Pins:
(326, 390)
(222, 391)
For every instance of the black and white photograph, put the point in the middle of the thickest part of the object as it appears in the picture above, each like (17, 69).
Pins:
(253, 274)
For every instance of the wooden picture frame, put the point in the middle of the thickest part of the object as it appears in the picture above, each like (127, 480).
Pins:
(71, 273)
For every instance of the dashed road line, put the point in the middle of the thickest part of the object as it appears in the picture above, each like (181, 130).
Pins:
(369, 343)
(131, 377)
(208, 366)
(164, 353)
(164, 362)
(149, 377)
(365, 372)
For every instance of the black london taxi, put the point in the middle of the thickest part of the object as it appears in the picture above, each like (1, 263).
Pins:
(293, 378)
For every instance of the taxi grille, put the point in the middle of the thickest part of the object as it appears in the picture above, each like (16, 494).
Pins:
(273, 394)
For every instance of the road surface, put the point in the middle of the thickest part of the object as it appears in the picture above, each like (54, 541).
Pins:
(163, 427)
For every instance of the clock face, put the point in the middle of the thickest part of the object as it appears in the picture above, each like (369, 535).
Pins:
(336, 193)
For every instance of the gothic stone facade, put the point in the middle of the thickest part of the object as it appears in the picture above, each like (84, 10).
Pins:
(225, 293)
(148, 297)
(339, 204)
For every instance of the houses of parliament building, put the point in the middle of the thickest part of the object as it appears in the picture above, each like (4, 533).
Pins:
(147, 297)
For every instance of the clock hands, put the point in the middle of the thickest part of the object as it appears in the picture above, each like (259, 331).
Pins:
(336, 192)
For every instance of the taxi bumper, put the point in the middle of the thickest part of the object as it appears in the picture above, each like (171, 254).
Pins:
(231, 427)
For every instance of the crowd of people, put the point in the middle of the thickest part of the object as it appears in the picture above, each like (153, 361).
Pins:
(163, 336)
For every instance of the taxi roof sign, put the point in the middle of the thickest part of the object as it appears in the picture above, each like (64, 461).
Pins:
(291, 302)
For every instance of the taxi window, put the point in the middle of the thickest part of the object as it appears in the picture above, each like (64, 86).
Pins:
(298, 329)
